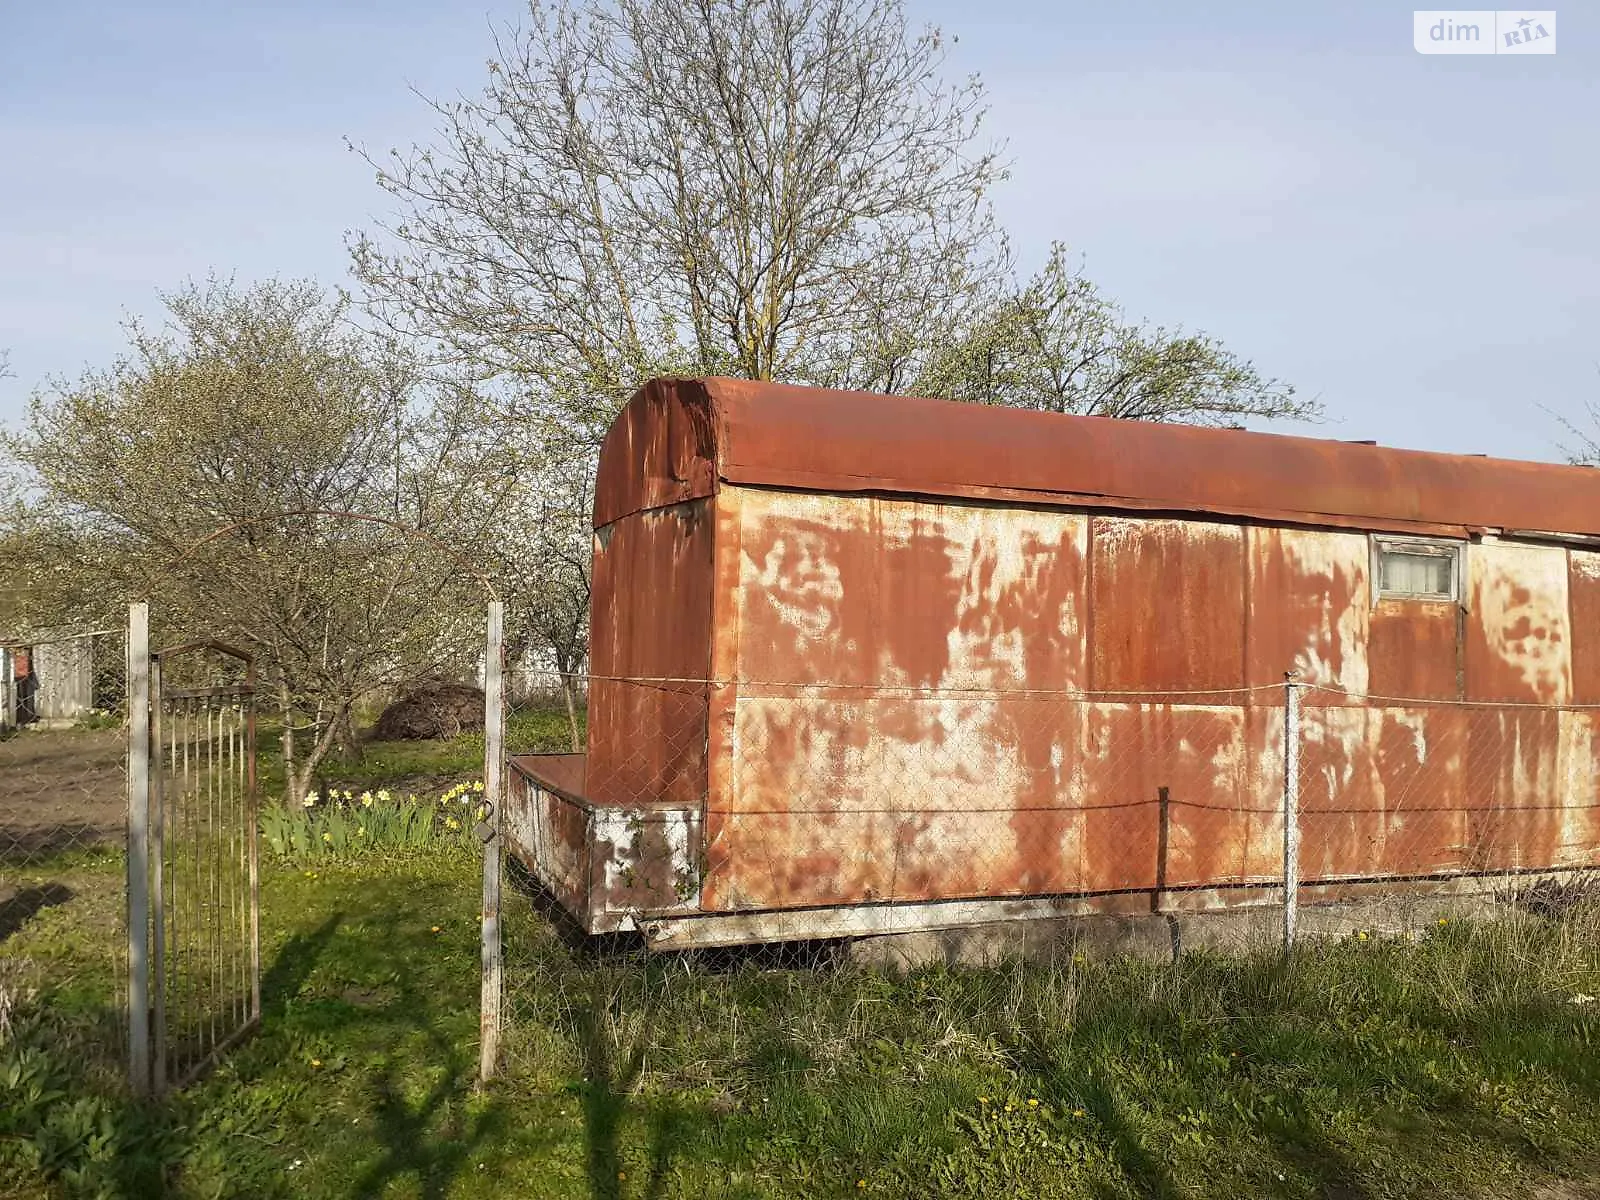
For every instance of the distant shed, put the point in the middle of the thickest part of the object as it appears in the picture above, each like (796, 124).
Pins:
(865, 662)
(46, 681)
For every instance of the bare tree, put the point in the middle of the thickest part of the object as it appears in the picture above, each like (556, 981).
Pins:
(775, 189)
(766, 188)
(1583, 447)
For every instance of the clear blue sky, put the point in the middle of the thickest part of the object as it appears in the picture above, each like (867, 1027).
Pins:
(1413, 239)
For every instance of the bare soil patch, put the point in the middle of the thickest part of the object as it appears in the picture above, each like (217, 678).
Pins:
(61, 789)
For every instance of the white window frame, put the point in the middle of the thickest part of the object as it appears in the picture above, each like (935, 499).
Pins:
(1455, 551)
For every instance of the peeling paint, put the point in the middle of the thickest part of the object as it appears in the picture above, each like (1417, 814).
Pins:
(946, 655)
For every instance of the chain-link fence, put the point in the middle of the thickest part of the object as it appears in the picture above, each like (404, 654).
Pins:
(1408, 810)
(782, 821)
(63, 824)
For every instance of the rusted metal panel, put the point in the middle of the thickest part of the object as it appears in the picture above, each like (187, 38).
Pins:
(1227, 826)
(1578, 829)
(1583, 596)
(646, 861)
(547, 829)
(1167, 605)
(649, 642)
(819, 813)
(1512, 797)
(1308, 608)
(609, 865)
(832, 672)
(1013, 795)
(1414, 650)
(1519, 640)
(775, 435)
(661, 450)
(1381, 792)
(899, 593)
(677, 438)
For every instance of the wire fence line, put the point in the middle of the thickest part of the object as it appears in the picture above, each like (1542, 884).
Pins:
(127, 791)
(780, 820)
(63, 824)
(721, 812)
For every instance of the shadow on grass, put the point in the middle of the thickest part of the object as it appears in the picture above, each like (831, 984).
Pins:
(418, 1137)
(1144, 1170)
(294, 963)
(1437, 1092)
(608, 1079)
(16, 911)
(426, 1138)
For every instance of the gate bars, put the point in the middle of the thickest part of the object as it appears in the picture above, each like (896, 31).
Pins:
(194, 932)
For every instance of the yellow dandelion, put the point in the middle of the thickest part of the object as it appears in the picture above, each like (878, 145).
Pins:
(861, 1183)
(327, 837)
(1033, 1103)
(316, 1064)
(1077, 1112)
(983, 1099)
(1361, 935)
(1444, 920)
(435, 929)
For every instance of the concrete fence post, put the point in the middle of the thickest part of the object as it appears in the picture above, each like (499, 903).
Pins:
(1291, 809)
(138, 857)
(489, 1016)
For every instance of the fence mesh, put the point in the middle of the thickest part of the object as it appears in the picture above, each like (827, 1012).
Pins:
(63, 822)
(1425, 804)
(777, 823)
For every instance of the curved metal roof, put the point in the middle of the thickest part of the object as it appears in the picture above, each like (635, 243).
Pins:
(679, 438)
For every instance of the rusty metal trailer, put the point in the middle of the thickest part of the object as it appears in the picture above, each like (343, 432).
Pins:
(866, 663)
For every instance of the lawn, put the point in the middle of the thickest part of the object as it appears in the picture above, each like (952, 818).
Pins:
(1463, 1063)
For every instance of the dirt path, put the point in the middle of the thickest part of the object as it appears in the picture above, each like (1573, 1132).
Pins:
(59, 789)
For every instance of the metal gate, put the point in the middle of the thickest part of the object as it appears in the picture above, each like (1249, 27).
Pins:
(194, 948)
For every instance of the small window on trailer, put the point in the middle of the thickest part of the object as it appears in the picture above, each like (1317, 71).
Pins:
(1411, 568)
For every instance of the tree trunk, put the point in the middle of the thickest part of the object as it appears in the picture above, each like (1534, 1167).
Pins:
(300, 784)
(569, 690)
(286, 711)
(349, 744)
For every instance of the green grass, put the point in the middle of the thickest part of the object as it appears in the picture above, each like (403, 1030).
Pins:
(421, 765)
(1462, 1064)
(1459, 1065)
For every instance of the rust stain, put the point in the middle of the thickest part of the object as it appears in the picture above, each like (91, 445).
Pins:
(650, 627)
(925, 652)
(1519, 642)
(782, 436)
(1583, 592)
(1413, 650)
(1168, 605)
(1513, 814)
(1309, 610)
(661, 450)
